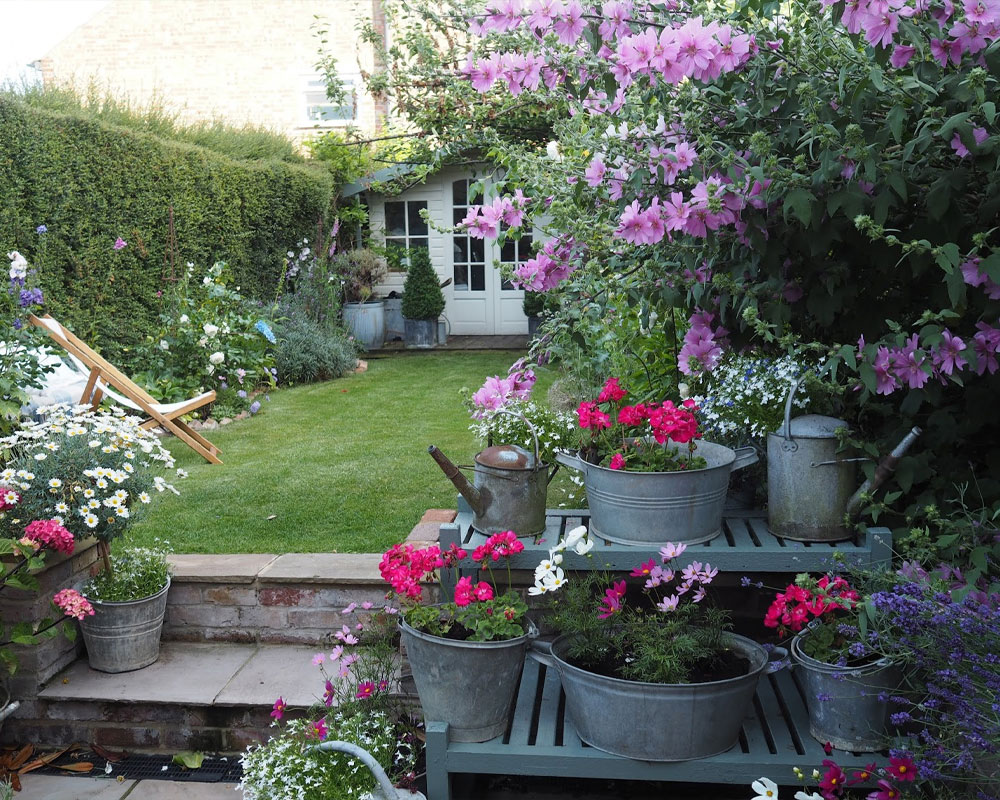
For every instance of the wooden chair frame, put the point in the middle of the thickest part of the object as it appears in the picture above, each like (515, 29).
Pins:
(104, 375)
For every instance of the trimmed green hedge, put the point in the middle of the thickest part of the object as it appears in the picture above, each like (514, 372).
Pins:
(90, 182)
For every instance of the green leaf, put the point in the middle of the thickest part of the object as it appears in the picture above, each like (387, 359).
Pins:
(898, 184)
(904, 474)
(991, 266)
(799, 201)
(876, 78)
(989, 111)
(895, 120)
(956, 288)
(189, 759)
(938, 198)
(953, 122)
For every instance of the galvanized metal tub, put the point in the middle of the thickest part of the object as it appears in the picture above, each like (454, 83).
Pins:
(367, 322)
(659, 721)
(469, 685)
(843, 702)
(122, 637)
(644, 508)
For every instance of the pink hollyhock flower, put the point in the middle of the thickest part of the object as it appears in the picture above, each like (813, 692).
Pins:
(73, 604)
(569, 23)
(901, 55)
(50, 533)
(279, 708)
(617, 461)
(594, 174)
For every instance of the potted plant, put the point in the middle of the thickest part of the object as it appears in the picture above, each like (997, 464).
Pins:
(847, 683)
(360, 272)
(93, 471)
(360, 715)
(466, 654)
(648, 475)
(423, 300)
(655, 651)
(533, 304)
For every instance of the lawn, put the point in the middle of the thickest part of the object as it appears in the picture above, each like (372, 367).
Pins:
(338, 466)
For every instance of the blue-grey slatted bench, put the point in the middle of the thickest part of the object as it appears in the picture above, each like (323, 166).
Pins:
(542, 741)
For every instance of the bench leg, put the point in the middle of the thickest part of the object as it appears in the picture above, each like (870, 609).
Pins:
(438, 780)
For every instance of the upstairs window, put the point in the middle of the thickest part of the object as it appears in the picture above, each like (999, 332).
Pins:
(319, 109)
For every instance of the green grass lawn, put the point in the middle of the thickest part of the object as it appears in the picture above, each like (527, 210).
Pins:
(340, 466)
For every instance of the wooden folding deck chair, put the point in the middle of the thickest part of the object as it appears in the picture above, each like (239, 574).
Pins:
(103, 375)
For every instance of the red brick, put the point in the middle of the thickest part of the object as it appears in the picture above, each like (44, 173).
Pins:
(439, 515)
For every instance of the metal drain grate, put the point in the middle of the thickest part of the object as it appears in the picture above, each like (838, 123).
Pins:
(154, 768)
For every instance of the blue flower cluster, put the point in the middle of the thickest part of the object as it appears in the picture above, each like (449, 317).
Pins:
(265, 330)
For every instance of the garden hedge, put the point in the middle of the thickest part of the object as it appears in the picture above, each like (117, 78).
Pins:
(91, 182)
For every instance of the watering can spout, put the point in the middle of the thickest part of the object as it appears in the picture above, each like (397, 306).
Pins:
(452, 473)
(882, 472)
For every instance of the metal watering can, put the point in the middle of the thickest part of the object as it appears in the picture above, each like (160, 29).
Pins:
(810, 486)
(510, 489)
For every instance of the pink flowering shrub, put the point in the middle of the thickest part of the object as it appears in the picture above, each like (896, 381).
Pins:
(476, 612)
(641, 437)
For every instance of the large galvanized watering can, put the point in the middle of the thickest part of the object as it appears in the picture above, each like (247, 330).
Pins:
(808, 482)
(510, 489)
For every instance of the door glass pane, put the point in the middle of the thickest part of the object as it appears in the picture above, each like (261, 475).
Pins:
(395, 219)
(418, 241)
(507, 286)
(478, 250)
(461, 278)
(417, 226)
(458, 214)
(461, 250)
(478, 277)
(508, 253)
(460, 193)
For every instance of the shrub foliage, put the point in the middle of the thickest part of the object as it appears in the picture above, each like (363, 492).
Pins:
(422, 295)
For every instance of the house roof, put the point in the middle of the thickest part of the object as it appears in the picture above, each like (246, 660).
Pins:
(383, 175)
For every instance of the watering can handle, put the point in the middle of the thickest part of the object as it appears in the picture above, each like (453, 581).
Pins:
(786, 426)
(573, 462)
(745, 456)
(386, 791)
(534, 433)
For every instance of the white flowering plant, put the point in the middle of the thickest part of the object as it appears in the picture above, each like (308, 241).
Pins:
(556, 430)
(743, 398)
(90, 470)
(210, 337)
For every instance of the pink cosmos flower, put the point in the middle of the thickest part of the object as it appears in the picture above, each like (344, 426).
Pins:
(670, 551)
(612, 601)
(279, 708)
(885, 791)
(350, 608)
(902, 768)
(318, 729)
(365, 690)
(644, 569)
(318, 659)
(668, 603)
(337, 652)
(328, 694)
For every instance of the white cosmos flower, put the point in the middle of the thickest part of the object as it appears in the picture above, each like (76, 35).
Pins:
(584, 546)
(809, 796)
(575, 536)
(766, 789)
(537, 589)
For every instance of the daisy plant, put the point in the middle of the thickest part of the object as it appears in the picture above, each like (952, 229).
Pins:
(89, 470)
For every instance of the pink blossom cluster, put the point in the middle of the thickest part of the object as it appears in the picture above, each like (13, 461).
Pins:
(979, 135)
(912, 366)
(497, 392)
(499, 545)
(564, 19)
(711, 205)
(702, 345)
(50, 533)
(974, 276)
(970, 24)
(553, 264)
(518, 71)
(73, 604)
(466, 593)
(404, 566)
(483, 221)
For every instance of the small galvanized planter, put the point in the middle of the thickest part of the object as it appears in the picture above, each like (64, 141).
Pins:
(658, 721)
(844, 703)
(641, 508)
(468, 685)
(122, 637)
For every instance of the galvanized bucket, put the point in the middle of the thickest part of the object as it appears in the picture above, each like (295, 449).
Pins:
(122, 637)
(644, 508)
(659, 721)
(469, 685)
(843, 702)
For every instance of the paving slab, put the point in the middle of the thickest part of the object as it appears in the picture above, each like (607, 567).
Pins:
(186, 672)
(187, 790)
(58, 787)
(239, 568)
(276, 670)
(344, 568)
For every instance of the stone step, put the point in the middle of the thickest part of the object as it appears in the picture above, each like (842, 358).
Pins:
(213, 697)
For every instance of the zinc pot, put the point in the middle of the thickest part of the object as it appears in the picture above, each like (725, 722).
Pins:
(366, 321)
(659, 721)
(843, 702)
(122, 637)
(420, 332)
(469, 685)
(644, 508)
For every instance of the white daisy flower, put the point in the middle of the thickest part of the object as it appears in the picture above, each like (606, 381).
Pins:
(144, 497)
(91, 521)
(55, 483)
(62, 508)
(41, 456)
